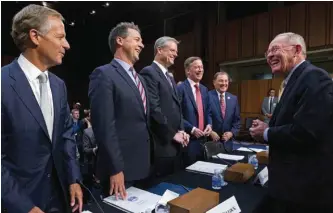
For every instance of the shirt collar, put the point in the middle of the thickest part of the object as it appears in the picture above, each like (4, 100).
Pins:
(291, 72)
(122, 63)
(218, 94)
(192, 83)
(30, 70)
(164, 70)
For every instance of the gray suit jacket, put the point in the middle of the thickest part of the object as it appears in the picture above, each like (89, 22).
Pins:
(265, 107)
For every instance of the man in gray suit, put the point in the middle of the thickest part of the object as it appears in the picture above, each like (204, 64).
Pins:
(268, 105)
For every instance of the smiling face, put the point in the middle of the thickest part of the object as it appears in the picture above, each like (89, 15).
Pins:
(51, 47)
(282, 55)
(131, 45)
(195, 71)
(168, 53)
(221, 83)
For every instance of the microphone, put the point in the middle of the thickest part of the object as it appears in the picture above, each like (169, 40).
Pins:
(81, 183)
(230, 164)
(245, 146)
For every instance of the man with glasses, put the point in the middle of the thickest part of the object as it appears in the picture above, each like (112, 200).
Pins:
(300, 132)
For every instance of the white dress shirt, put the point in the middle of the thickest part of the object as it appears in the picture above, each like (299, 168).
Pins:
(32, 73)
(219, 96)
(164, 70)
(192, 83)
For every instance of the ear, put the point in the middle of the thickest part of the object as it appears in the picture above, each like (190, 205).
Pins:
(34, 36)
(298, 49)
(119, 40)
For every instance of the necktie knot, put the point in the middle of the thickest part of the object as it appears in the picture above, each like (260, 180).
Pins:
(196, 86)
(42, 78)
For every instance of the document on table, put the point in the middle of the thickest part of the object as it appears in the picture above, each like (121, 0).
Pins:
(205, 167)
(167, 196)
(228, 206)
(137, 201)
(244, 149)
(228, 157)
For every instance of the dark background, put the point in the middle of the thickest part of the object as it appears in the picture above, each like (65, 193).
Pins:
(88, 37)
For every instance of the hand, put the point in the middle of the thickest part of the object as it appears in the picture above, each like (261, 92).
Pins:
(76, 192)
(35, 210)
(257, 129)
(226, 136)
(214, 136)
(94, 150)
(179, 137)
(208, 130)
(268, 115)
(198, 133)
(117, 185)
(186, 137)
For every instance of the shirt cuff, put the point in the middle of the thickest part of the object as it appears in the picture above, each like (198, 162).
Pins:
(193, 130)
(266, 134)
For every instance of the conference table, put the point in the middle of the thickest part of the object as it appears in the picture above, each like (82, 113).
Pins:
(248, 195)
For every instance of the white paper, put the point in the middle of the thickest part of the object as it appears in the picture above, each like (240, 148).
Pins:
(228, 206)
(205, 167)
(137, 201)
(244, 149)
(86, 211)
(228, 157)
(263, 176)
(167, 196)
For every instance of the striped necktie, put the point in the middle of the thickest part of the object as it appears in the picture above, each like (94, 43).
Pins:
(140, 88)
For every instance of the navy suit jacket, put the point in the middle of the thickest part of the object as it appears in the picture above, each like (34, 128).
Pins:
(231, 122)
(189, 106)
(300, 137)
(119, 123)
(28, 156)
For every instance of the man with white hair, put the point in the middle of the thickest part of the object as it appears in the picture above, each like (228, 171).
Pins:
(167, 124)
(300, 133)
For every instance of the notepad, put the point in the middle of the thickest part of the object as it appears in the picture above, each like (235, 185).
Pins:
(228, 157)
(205, 167)
(244, 149)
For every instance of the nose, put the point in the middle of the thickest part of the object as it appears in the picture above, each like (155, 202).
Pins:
(66, 45)
(141, 45)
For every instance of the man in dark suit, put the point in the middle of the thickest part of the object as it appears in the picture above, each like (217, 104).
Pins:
(196, 111)
(166, 116)
(119, 114)
(225, 111)
(300, 132)
(268, 105)
(38, 149)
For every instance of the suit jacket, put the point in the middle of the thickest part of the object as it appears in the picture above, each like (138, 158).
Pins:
(189, 106)
(119, 123)
(231, 122)
(301, 139)
(89, 143)
(166, 118)
(265, 107)
(28, 155)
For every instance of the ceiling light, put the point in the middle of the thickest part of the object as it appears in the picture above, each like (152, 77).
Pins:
(72, 23)
(106, 4)
(92, 12)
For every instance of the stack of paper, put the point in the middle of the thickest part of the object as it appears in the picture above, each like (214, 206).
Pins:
(245, 149)
(228, 157)
(137, 201)
(205, 167)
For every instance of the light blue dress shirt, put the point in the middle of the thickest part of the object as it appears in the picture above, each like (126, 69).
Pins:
(126, 67)
(285, 83)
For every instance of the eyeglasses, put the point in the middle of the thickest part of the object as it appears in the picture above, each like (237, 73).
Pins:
(275, 49)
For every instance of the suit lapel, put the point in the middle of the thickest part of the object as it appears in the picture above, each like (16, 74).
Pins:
(188, 90)
(129, 81)
(56, 105)
(203, 98)
(23, 89)
(228, 105)
(217, 104)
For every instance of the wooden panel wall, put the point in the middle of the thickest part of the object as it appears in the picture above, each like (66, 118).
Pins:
(297, 20)
(233, 38)
(262, 33)
(248, 37)
(317, 23)
(252, 94)
(279, 19)
(331, 23)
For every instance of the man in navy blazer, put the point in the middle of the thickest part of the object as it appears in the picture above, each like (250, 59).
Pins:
(225, 111)
(196, 111)
(38, 161)
(120, 114)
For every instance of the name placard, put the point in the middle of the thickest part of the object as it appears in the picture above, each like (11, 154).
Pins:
(228, 206)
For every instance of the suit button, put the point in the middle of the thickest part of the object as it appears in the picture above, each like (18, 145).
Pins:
(48, 175)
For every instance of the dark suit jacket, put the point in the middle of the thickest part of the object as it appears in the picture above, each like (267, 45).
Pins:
(165, 111)
(189, 106)
(119, 123)
(89, 143)
(301, 139)
(28, 156)
(231, 123)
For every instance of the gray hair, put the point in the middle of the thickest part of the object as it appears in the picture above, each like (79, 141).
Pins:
(190, 60)
(31, 17)
(221, 73)
(161, 42)
(121, 30)
(294, 39)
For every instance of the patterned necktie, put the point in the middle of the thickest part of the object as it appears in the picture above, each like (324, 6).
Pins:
(140, 88)
(200, 107)
(222, 103)
(270, 105)
(282, 86)
(45, 103)
(169, 79)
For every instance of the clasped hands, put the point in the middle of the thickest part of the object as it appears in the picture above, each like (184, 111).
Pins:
(182, 137)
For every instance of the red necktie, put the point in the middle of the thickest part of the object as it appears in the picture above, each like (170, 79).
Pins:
(222, 103)
(200, 107)
(140, 88)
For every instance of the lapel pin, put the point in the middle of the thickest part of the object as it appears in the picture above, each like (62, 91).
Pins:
(228, 97)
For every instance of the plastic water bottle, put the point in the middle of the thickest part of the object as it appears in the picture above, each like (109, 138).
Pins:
(160, 208)
(253, 161)
(223, 183)
(216, 179)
